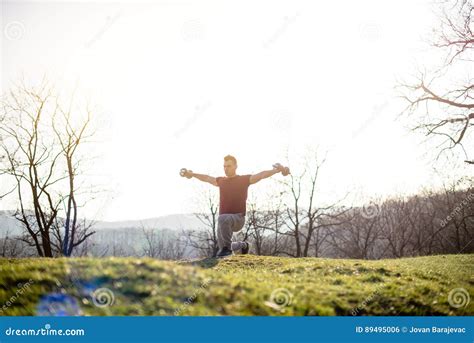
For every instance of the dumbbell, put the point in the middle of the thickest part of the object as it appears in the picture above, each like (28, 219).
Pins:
(184, 171)
(284, 170)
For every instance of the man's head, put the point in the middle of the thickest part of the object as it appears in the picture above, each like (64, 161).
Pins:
(230, 165)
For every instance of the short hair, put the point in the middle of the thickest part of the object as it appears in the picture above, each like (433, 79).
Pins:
(230, 158)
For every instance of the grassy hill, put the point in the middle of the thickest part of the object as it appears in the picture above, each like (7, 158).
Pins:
(239, 285)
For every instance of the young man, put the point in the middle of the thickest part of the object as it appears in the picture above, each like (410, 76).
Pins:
(232, 201)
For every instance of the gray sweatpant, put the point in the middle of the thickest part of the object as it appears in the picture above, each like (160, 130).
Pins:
(227, 224)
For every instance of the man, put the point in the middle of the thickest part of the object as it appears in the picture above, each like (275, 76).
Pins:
(232, 201)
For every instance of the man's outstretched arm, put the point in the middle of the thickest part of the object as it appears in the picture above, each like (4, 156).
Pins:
(202, 177)
(267, 173)
(205, 178)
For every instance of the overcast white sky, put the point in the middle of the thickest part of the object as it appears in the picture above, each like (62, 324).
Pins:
(183, 83)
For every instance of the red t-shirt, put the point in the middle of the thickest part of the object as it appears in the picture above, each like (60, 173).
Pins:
(233, 193)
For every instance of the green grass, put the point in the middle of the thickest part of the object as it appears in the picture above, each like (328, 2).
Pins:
(243, 285)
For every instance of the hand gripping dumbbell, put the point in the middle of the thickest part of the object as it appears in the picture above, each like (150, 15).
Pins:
(284, 170)
(185, 173)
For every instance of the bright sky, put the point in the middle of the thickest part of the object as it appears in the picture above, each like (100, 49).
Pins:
(183, 83)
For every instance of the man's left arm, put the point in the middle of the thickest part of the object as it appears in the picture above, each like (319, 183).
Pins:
(266, 173)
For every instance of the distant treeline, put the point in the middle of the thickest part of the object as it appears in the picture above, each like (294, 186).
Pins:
(426, 224)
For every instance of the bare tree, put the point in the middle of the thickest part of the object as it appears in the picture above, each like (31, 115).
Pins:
(205, 240)
(457, 227)
(40, 156)
(357, 234)
(277, 242)
(444, 108)
(70, 137)
(399, 219)
(308, 220)
(32, 162)
(80, 230)
(153, 245)
(294, 213)
(427, 228)
(259, 226)
(163, 244)
(10, 246)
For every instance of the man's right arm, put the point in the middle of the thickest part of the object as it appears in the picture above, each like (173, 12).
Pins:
(205, 178)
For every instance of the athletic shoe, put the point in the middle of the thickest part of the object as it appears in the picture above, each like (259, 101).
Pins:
(224, 252)
(246, 248)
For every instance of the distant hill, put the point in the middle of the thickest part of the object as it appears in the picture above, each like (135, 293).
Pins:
(172, 222)
(9, 223)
